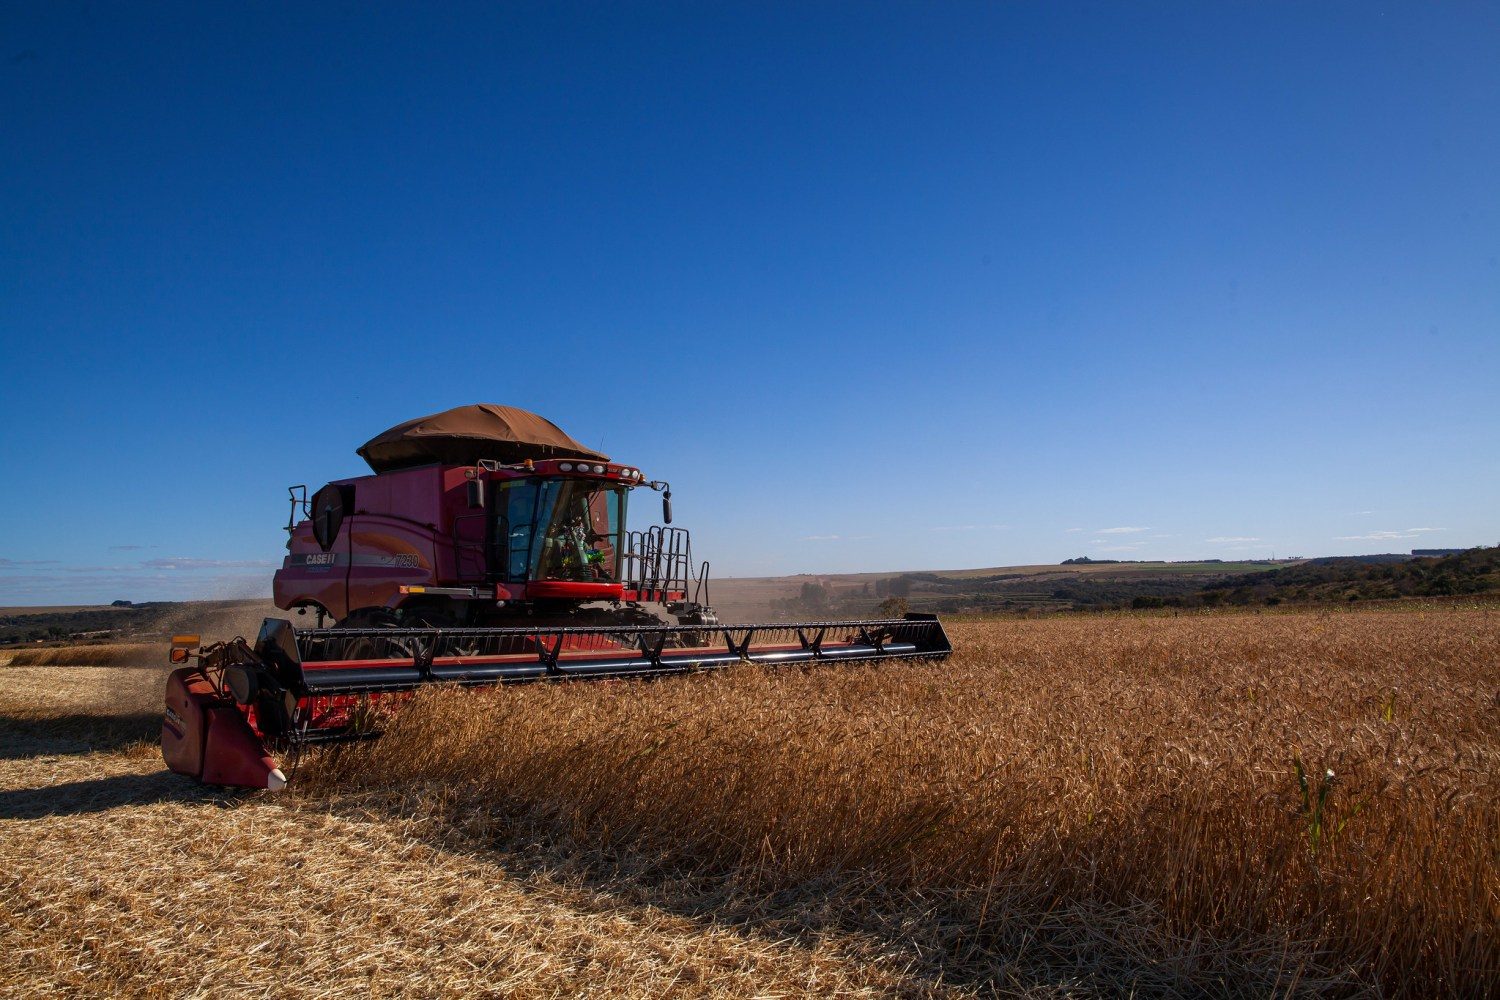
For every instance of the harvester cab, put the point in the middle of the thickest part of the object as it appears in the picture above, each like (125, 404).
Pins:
(478, 517)
(488, 547)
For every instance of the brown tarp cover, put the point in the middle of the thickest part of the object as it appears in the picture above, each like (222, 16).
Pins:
(465, 434)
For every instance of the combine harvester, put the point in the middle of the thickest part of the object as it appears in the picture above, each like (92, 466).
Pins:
(488, 547)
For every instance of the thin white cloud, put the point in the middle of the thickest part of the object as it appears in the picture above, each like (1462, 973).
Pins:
(821, 538)
(1071, 530)
(138, 586)
(1230, 539)
(184, 562)
(1121, 531)
(1386, 536)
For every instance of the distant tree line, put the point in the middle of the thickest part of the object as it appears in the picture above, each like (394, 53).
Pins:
(49, 625)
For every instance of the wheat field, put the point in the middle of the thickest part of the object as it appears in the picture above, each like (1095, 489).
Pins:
(1219, 804)
(1253, 802)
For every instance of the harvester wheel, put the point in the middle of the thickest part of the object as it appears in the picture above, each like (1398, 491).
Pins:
(372, 647)
(695, 617)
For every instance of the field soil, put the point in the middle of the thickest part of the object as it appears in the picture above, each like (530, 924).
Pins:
(1072, 806)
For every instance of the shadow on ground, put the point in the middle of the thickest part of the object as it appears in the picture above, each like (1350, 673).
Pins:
(65, 735)
(43, 739)
(75, 798)
(1014, 945)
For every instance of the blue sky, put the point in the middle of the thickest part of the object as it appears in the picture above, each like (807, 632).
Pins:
(877, 286)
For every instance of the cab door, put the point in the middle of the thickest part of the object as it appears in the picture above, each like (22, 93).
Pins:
(513, 530)
(471, 537)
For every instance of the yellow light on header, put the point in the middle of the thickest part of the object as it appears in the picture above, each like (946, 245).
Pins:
(530, 465)
(185, 641)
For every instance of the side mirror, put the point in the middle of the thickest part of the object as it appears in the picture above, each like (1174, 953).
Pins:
(666, 507)
(182, 647)
(476, 493)
(330, 506)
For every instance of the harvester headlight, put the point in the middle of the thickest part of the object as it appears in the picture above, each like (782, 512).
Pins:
(566, 467)
(599, 469)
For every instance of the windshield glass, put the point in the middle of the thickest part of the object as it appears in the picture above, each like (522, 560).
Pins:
(560, 529)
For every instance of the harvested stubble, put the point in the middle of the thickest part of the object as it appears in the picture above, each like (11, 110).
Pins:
(117, 880)
(1120, 793)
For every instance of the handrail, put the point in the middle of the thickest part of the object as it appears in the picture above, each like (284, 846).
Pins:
(291, 520)
(659, 560)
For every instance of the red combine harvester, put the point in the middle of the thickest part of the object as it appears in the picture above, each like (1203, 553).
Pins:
(488, 547)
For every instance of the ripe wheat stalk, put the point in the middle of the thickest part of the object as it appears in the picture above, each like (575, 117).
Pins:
(1261, 796)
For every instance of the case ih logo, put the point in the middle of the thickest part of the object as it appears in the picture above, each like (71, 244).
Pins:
(327, 560)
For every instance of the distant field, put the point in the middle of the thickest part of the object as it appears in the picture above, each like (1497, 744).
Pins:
(146, 622)
(1111, 569)
(57, 609)
(751, 598)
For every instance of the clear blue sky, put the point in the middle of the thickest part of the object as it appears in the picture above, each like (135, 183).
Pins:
(877, 286)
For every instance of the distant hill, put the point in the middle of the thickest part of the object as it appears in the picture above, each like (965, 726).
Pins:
(29, 625)
(1097, 585)
(1366, 578)
(139, 622)
(1077, 585)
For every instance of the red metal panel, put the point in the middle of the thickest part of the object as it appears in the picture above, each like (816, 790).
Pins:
(208, 738)
(415, 494)
(234, 755)
(386, 554)
(184, 724)
(311, 576)
(573, 591)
